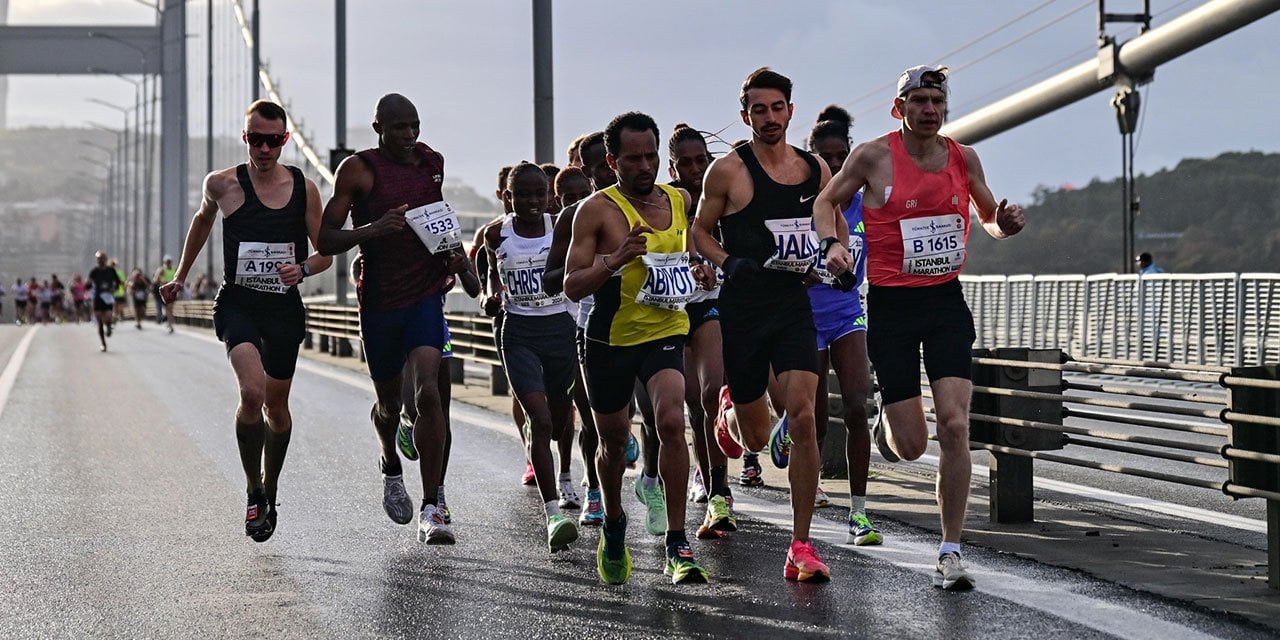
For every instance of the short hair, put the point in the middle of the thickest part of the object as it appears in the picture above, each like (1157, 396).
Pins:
(502, 176)
(632, 121)
(590, 140)
(765, 78)
(684, 133)
(568, 173)
(267, 109)
(833, 122)
(550, 169)
(390, 103)
(574, 148)
(520, 169)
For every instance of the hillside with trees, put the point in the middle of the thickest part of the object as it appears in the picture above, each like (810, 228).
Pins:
(1202, 216)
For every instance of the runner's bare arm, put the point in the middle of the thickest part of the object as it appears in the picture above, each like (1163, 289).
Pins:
(553, 275)
(291, 274)
(715, 199)
(1001, 219)
(197, 234)
(839, 190)
(492, 238)
(470, 280)
(352, 181)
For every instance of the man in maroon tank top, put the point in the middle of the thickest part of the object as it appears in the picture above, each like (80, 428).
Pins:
(917, 187)
(269, 213)
(401, 311)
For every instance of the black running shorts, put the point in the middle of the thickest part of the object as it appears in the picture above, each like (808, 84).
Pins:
(538, 353)
(611, 371)
(758, 336)
(901, 320)
(276, 328)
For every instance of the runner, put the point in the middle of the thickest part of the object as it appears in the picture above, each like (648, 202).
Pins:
(269, 211)
(79, 298)
(842, 340)
(21, 294)
(704, 371)
(409, 246)
(57, 297)
(537, 340)
(164, 275)
(918, 185)
(119, 295)
(762, 196)
(139, 291)
(105, 280)
(630, 249)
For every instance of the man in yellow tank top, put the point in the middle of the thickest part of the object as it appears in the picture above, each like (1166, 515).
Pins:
(631, 248)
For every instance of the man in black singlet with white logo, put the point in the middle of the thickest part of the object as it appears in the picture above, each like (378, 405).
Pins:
(761, 196)
(269, 212)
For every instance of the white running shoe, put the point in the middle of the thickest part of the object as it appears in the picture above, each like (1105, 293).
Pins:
(432, 528)
(951, 574)
(821, 499)
(569, 496)
(396, 500)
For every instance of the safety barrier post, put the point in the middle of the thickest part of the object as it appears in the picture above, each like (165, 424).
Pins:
(1011, 479)
(457, 370)
(497, 381)
(1258, 438)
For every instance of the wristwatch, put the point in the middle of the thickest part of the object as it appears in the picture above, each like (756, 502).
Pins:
(825, 245)
(306, 270)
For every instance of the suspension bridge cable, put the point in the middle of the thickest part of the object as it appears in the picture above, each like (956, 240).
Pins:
(299, 138)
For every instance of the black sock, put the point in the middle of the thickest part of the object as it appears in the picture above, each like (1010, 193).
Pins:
(675, 538)
(719, 480)
(390, 468)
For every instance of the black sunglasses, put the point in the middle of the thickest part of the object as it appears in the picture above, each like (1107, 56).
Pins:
(272, 140)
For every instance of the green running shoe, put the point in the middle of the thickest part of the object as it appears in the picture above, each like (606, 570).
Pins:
(861, 532)
(654, 500)
(720, 514)
(613, 571)
(404, 438)
(682, 567)
(560, 532)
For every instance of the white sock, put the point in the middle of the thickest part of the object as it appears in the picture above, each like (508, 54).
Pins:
(647, 482)
(552, 508)
(949, 547)
(857, 504)
(387, 478)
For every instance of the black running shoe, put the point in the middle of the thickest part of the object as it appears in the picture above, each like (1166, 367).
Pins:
(259, 517)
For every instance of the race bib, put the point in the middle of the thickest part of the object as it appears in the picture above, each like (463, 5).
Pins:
(668, 284)
(436, 225)
(258, 265)
(933, 246)
(523, 278)
(795, 244)
(855, 252)
(107, 297)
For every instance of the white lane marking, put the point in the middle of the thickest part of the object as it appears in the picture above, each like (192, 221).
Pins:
(10, 374)
(1051, 597)
(1135, 502)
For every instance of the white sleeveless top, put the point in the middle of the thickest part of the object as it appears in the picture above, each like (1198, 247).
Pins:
(521, 262)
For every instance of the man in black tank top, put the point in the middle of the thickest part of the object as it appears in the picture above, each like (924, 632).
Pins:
(269, 212)
(762, 197)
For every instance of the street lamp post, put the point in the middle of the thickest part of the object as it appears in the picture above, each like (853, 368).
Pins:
(130, 187)
(108, 197)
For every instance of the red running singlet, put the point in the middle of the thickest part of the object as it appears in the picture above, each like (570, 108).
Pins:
(918, 238)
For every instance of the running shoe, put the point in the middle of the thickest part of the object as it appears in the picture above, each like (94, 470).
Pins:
(780, 444)
(751, 471)
(395, 500)
(257, 517)
(951, 574)
(697, 488)
(569, 496)
(443, 506)
(593, 515)
(682, 567)
(654, 500)
(728, 445)
(820, 499)
(432, 528)
(803, 564)
(633, 450)
(404, 437)
(617, 569)
(560, 532)
(720, 514)
(861, 532)
(880, 433)
(528, 479)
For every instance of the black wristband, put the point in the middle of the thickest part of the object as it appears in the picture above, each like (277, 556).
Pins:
(825, 245)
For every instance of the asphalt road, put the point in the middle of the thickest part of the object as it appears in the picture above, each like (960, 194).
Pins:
(121, 506)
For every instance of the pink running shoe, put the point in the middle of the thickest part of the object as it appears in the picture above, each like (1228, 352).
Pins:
(803, 564)
(728, 445)
(528, 477)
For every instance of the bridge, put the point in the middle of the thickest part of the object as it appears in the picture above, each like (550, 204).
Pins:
(1135, 494)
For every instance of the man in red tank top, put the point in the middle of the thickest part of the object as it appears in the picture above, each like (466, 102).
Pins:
(917, 187)
(401, 312)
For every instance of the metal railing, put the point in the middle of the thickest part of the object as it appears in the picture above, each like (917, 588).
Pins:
(1223, 319)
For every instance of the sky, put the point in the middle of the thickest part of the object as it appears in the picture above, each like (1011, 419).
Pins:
(467, 64)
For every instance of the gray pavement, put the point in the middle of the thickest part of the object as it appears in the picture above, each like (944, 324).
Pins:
(121, 502)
